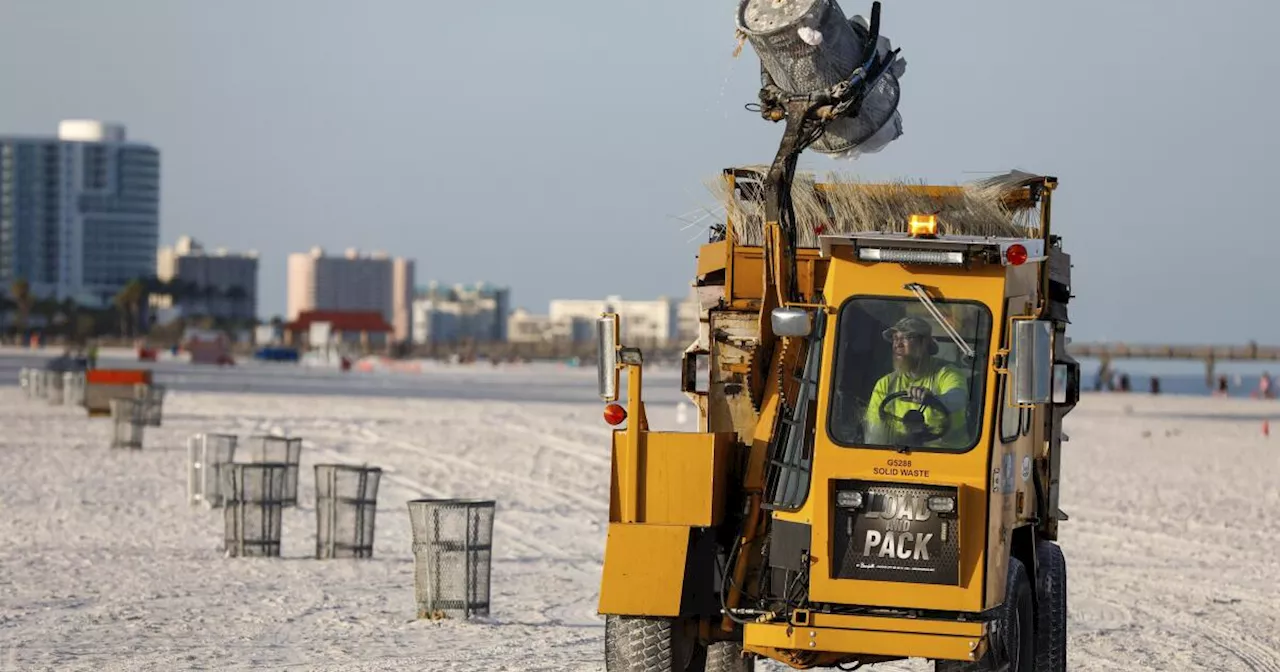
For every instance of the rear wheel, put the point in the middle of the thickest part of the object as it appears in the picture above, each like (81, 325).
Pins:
(1051, 619)
(1013, 632)
(637, 644)
(727, 657)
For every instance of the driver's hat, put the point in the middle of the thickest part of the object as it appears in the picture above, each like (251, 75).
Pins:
(914, 326)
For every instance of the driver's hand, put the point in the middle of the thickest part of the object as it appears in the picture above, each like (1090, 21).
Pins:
(917, 394)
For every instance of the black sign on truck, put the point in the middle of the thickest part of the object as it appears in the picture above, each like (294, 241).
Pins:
(894, 536)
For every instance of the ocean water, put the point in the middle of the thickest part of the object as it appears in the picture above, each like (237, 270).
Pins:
(1181, 384)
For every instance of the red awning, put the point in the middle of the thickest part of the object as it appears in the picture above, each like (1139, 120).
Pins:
(342, 320)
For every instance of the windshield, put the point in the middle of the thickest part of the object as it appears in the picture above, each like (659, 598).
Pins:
(902, 381)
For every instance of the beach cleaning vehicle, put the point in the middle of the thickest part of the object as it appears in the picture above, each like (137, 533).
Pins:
(881, 376)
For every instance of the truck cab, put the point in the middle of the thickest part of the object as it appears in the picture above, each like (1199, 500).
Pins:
(877, 464)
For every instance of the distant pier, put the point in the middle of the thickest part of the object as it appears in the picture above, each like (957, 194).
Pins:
(1209, 354)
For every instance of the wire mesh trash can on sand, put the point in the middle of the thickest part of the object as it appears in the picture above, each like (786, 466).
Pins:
(53, 387)
(152, 398)
(127, 424)
(207, 455)
(346, 504)
(279, 450)
(452, 547)
(73, 388)
(254, 506)
(36, 381)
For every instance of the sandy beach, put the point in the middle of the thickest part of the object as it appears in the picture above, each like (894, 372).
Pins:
(1172, 544)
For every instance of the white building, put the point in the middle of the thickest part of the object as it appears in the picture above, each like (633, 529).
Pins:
(470, 313)
(353, 281)
(79, 212)
(215, 283)
(653, 322)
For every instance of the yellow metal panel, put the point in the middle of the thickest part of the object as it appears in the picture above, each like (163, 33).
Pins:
(711, 257)
(761, 638)
(682, 477)
(968, 472)
(643, 569)
(886, 624)
(747, 283)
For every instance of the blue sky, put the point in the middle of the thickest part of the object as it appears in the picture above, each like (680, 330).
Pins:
(550, 146)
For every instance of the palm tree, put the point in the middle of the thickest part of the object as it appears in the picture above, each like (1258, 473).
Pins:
(21, 290)
(128, 301)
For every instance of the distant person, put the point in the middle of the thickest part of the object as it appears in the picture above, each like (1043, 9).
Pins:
(1265, 389)
(1155, 385)
(1124, 382)
(1222, 387)
(91, 355)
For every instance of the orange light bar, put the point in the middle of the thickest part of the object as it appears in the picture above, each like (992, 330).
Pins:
(923, 226)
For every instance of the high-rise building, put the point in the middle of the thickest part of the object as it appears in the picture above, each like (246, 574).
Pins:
(402, 288)
(351, 282)
(79, 212)
(474, 313)
(214, 283)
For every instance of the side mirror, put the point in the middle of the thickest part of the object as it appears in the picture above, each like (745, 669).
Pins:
(793, 322)
(1031, 365)
(607, 355)
(1066, 384)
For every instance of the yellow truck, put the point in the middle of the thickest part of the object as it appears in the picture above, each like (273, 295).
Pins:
(881, 377)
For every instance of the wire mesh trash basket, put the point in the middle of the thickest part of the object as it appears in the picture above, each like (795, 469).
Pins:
(127, 424)
(207, 456)
(279, 450)
(53, 387)
(73, 388)
(152, 398)
(37, 380)
(254, 498)
(452, 547)
(346, 504)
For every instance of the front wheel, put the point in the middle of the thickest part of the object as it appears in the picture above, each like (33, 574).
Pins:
(1013, 632)
(638, 644)
(1051, 628)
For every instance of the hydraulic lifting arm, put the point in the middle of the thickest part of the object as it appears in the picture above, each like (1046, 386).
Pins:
(807, 117)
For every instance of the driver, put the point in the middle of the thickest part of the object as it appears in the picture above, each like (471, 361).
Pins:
(925, 381)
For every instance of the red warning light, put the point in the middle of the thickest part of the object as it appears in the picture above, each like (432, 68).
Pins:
(614, 414)
(1016, 254)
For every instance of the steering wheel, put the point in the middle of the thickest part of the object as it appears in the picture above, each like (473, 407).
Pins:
(913, 421)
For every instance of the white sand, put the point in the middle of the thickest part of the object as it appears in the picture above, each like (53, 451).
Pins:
(1172, 542)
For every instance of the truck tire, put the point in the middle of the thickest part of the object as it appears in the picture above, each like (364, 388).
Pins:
(727, 657)
(1051, 619)
(638, 644)
(1013, 642)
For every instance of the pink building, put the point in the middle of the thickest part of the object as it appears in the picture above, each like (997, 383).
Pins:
(353, 282)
